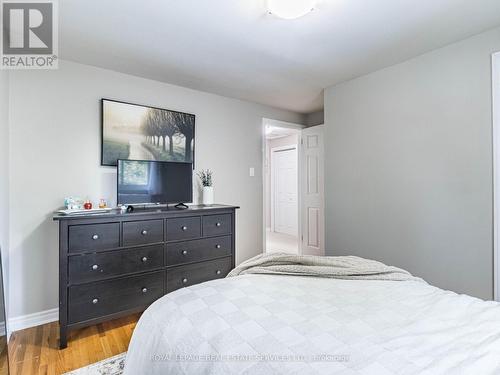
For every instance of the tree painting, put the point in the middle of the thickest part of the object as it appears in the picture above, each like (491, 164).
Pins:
(185, 124)
(137, 132)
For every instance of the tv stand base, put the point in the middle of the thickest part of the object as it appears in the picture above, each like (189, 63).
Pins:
(181, 206)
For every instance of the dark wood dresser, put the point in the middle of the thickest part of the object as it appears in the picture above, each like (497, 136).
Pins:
(115, 264)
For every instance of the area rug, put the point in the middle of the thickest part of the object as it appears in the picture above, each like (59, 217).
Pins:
(109, 366)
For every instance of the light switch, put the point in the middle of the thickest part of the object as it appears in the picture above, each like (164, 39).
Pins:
(252, 172)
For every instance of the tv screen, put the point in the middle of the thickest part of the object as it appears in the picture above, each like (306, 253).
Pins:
(154, 182)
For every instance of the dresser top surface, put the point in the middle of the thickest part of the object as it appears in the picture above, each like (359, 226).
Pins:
(146, 211)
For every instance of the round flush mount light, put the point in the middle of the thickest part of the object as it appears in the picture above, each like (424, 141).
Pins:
(290, 9)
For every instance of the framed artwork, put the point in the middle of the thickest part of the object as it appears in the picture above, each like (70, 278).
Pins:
(137, 132)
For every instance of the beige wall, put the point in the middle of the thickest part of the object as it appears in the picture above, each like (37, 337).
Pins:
(409, 166)
(271, 143)
(55, 152)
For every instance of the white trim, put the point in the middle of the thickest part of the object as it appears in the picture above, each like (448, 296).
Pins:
(495, 82)
(32, 320)
(281, 124)
(264, 185)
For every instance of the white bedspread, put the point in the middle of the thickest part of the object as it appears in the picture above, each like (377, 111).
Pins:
(274, 324)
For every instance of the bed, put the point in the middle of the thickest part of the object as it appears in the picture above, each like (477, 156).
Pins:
(286, 318)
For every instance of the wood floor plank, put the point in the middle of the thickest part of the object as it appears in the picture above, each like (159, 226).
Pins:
(35, 351)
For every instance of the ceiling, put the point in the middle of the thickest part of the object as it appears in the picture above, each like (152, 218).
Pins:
(234, 48)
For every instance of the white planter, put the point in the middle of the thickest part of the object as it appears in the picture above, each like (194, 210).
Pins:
(208, 195)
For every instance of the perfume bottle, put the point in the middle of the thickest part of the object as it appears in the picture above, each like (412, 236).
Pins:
(87, 205)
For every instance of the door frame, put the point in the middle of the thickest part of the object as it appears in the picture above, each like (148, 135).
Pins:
(495, 85)
(273, 183)
(281, 124)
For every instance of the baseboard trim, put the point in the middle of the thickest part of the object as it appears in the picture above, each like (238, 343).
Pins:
(32, 320)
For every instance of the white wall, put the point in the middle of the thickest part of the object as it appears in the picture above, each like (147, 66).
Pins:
(271, 143)
(409, 166)
(55, 152)
(4, 171)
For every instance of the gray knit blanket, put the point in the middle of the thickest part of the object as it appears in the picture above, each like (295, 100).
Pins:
(338, 267)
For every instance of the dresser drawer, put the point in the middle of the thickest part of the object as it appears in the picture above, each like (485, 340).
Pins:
(142, 232)
(197, 250)
(214, 225)
(93, 237)
(183, 228)
(178, 277)
(103, 298)
(93, 267)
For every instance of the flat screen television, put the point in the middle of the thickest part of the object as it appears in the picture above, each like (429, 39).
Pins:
(154, 182)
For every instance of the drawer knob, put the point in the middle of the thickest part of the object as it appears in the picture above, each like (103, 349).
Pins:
(218, 224)
(218, 272)
(144, 232)
(217, 246)
(144, 290)
(184, 252)
(95, 300)
(95, 237)
(184, 228)
(95, 267)
(144, 259)
(184, 281)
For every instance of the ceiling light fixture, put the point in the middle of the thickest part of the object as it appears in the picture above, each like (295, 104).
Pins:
(290, 9)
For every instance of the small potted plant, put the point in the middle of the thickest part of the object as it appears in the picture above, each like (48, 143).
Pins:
(205, 176)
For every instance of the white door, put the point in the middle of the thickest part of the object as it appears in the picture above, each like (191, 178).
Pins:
(284, 163)
(312, 191)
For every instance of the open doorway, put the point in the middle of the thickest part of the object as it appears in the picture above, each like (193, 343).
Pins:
(293, 179)
(281, 181)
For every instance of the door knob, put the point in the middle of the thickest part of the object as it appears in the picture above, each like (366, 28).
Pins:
(184, 228)
(95, 300)
(95, 237)
(218, 272)
(144, 232)
(144, 290)
(184, 252)
(95, 267)
(218, 224)
(144, 259)
(184, 281)
(217, 246)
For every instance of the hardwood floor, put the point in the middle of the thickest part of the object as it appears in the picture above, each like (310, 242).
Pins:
(35, 350)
